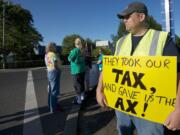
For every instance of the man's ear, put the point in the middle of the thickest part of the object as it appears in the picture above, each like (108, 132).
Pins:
(142, 17)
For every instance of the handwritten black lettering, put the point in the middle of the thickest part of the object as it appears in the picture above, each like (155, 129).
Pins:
(166, 63)
(109, 86)
(118, 72)
(130, 62)
(126, 78)
(127, 93)
(119, 103)
(158, 63)
(166, 101)
(131, 105)
(138, 80)
(111, 61)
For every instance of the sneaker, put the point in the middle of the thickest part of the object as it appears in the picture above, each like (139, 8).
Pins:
(76, 101)
(79, 100)
(82, 96)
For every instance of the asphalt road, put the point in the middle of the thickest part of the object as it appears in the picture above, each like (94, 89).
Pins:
(23, 102)
(24, 111)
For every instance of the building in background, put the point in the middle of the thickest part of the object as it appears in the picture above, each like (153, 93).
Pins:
(40, 50)
(106, 44)
(103, 43)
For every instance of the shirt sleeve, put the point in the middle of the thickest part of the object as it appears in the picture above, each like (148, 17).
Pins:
(73, 55)
(171, 49)
(54, 57)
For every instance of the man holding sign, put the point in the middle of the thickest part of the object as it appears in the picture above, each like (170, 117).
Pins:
(141, 41)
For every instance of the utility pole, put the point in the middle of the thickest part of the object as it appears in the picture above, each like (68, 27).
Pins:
(168, 19)
(3, 38)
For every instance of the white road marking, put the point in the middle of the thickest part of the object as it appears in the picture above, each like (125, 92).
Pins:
(32, 124)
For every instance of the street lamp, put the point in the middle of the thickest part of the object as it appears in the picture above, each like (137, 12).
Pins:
(167, 11)
(3, 37)
(3, 45)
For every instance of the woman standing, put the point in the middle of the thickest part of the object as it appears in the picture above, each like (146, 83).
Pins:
(100, 59)
(76, 58)
(53, 73)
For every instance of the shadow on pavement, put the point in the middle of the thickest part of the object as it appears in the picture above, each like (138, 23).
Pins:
(92, 117)
(52, 124)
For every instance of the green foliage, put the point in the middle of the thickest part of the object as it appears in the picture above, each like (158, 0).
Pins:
(178, 41)
(151, 22)
(105, 51)
(20, 34)
(68, 43)
(90, 43)
(121, 31)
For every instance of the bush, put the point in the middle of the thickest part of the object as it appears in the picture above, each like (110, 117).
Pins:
(105, 51)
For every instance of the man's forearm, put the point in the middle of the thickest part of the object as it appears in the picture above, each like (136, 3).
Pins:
(177, 106)
(100, 83)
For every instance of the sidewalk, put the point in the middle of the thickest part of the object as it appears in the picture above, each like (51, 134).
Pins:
(90, 119)
(94, 120)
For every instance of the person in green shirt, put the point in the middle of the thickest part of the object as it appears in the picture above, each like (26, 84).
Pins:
(77, 62)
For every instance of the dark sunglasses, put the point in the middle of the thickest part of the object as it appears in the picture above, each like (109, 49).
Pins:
(127, 16)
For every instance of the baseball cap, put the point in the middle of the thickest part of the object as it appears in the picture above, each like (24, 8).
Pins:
(133, 7)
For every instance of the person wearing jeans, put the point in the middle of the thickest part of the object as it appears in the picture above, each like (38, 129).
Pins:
(52, 62)
(53, 89)
(126, 125)
(143, 41)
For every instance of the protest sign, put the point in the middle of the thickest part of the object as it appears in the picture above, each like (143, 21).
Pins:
(141, 86)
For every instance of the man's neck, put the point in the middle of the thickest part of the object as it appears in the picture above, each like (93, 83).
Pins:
(140, 32)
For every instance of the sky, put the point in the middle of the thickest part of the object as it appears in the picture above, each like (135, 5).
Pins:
(94, 19)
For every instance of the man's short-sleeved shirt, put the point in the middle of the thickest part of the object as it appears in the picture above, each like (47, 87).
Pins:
(170, 49)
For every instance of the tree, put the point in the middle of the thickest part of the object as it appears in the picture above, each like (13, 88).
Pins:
(105, 51)
(68, 43)
(151, 22)
(121, 31)
(178, 41)
(20, 35)
(90, 43)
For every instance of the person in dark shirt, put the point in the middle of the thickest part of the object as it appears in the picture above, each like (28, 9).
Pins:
(139, 36)
(170, 48)
(88, 63)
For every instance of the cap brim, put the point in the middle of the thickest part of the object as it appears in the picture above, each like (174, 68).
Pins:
(124, 13)
(121, 16)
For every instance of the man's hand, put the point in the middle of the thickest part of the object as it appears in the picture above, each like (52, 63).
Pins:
(173, 120)
(101, 98)
(99, 93)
